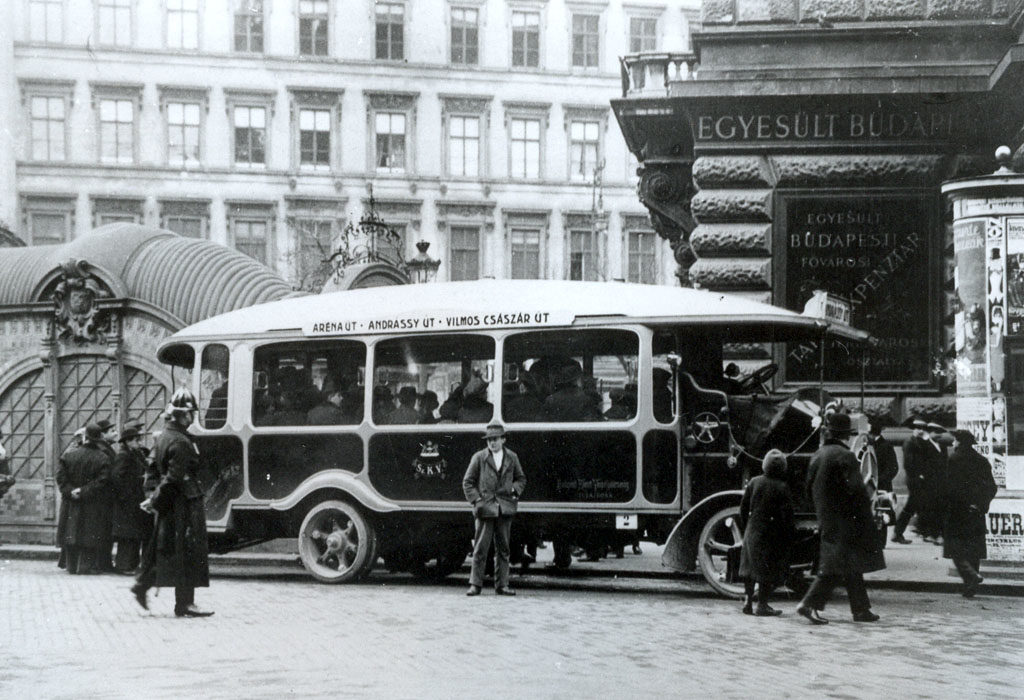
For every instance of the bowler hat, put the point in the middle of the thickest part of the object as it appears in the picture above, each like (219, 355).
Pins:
(838, 424)
(494, 430)
(936, 428)
(136, 423)
(93, 431)
(104, 425)
(129, 433)
(964, 437)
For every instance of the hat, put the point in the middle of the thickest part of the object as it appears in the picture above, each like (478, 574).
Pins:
(407, 394)
(936, 428)
(104, 425)
(838, 424)
(129, 433)
(494, 430)
(474, 386)
(918, 424)
(93, 431)
(774, 464)
(136, 423)
(429, 398)
(568, 373)
(964, 437)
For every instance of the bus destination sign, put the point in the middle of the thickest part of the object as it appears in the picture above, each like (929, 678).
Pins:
(439, 321)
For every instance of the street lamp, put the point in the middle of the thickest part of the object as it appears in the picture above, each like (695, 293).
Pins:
(422, 267)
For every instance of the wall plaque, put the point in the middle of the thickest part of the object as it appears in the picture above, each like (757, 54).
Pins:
(877, 251)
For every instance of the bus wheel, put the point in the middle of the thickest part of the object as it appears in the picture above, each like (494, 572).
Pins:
(337, 543)
(720, 533)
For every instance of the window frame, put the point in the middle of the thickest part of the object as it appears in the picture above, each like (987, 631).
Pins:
(454, 214)
(265, 99)
(319, 100)
(527, 220)
(325, 16)
(252, 211)
(242, 8)
(30, 26)
(585, 12)
(48, 89)
(463, 107)
(118, 92)
(643, 17)
(179, 94)
(167, 26)
(527, 111)
(391, 103)
(390, 41)
(128, 5)
(117, 209)
(588, 225)
(319, 210)
(584, 114)
(48, 205)
(465, 28)
(639, 224)
(194, 209)
(517, 9)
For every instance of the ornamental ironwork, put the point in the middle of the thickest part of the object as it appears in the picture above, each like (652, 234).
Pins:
(76, 312)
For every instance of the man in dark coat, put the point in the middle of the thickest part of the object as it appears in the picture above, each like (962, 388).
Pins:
(178, 554)
(767, 521)
(569, 402)
(83, 477)
(915, 458)
(849, 543)
(930, 515)
(969, 490)
(885, 453)
(129, 521)
(104, 558)
(493, 484)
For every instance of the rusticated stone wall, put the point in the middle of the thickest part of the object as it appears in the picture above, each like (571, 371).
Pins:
(745, 11)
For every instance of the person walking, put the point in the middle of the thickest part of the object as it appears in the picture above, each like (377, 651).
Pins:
(493, 485)
(129, 527)
(929, 518)
(885, 454)
(969, 490)
(915, 468)
(83, 476)
(767, 521)
(177, 555)
(849, 545)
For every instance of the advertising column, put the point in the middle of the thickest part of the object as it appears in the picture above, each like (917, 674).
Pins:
(988, 245)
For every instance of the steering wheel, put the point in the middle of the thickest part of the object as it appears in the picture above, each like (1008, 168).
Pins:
(759, 378)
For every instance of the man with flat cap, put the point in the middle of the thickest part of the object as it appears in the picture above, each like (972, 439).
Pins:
(915, 458)
(493, 485)
(849, 546)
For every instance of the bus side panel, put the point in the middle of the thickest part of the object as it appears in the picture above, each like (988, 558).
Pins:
(220, 472)
(279, 463)
(567, 467)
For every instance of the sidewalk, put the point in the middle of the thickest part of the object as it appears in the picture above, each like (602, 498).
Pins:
(915, 567)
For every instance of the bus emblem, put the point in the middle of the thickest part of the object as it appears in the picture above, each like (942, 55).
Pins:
(430, 464)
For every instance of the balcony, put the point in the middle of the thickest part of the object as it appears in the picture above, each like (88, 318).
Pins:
(651, 74)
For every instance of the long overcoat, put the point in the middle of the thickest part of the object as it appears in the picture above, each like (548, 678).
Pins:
(128, 472)
(492, 492)
(181, 546)
(970, 489)
(915, 464)
(849, 541)
(83, 521)
(766, 517)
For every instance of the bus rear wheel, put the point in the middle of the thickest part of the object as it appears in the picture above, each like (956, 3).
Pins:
(337, 544)
(720, 533)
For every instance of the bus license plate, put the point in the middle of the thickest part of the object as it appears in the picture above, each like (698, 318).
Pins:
(625, 522)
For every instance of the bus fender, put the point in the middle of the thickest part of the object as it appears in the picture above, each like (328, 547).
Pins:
(680, 553)
(338, 480)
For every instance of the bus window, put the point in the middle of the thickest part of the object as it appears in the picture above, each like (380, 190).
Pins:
(213, 387)
(663, 390)
(308, 383)
(563, 376)
(449, 374)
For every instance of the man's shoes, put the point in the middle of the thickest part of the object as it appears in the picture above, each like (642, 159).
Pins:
(473, 590)
(766, 611)
(866, 616)
(748, 606)
(900, 539)
(811, 614)
(140, 596)
(192, 611)
(970, 589)
(504, 591)
(637, 550)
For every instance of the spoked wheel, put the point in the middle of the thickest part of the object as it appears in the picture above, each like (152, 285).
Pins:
(337, 543)
(720, 533)
(446, 563)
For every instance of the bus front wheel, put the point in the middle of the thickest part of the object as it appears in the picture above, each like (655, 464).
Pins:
(337, 543)
(721, 532)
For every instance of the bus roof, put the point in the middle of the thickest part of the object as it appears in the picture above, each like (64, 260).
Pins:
(489, 304)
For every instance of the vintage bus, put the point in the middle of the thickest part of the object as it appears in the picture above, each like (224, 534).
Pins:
(347, 419)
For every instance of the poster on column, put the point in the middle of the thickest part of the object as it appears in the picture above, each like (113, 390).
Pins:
(971, 339)
(1015, 276)
(1005, 536)
(995, 298)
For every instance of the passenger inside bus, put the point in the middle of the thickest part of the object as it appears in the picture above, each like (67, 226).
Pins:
(475, 406)
(426, 405)
(383, 404)
(524, 402)
(329, 410)
(213, 385)
(406, 412)
(623, 403)
(569, 401)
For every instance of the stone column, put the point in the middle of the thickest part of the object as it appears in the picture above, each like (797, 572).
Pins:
(988, 243)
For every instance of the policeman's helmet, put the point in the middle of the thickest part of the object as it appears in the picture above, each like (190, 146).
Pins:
(182, 401)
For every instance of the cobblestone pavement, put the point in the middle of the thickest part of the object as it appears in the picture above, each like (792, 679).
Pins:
(274, 636)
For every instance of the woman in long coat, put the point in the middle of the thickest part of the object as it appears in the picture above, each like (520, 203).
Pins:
(766, 517)
(970, 489)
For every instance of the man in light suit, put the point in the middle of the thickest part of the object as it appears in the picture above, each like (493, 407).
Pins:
(493, 485)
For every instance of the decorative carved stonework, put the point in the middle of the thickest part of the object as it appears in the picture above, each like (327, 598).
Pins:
(77, 315)
(666, 190)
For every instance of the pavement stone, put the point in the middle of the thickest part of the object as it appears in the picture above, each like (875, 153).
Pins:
(70, 637)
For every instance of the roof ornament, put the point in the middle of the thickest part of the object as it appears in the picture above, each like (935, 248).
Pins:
(77, 315)
(372, 240)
